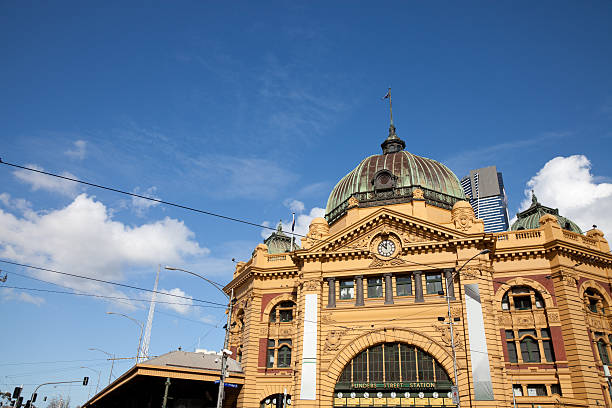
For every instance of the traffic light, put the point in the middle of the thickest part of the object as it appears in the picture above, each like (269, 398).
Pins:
(18, 402)
(85, 380)
(28, 404)
(34, 397)
(17, 392)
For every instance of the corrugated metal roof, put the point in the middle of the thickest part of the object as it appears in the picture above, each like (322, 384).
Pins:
(188, 359)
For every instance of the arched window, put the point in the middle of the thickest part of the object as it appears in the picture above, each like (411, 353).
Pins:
(392, 362)
(531, 336)
(594, 301)
(282, 312)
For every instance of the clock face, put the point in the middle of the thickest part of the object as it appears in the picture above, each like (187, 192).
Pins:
(386, 247)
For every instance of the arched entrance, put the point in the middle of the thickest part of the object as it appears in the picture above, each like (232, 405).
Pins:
(276, 401)
(391, 374)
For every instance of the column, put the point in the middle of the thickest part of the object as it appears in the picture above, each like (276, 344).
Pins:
(418, 287)
(359, 290)
(331, 297)
(388, 289)
(449, 289)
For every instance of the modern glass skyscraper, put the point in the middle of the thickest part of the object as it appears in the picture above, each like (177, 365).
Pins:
(485, 188)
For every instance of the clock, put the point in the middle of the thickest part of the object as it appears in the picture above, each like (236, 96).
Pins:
(386, 247)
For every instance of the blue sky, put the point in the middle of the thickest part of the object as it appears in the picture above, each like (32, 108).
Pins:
(250, 110)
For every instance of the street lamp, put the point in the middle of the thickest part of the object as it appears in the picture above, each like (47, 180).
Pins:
(141, 330)
(98, 383)
(112, 359)
(225, 352)
(450, 319)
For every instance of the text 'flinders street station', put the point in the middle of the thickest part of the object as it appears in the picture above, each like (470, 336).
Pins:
(358, 314)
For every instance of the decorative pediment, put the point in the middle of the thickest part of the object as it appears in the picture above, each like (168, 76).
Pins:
(404, 230)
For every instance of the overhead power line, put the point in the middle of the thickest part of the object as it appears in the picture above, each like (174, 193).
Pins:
(110, 282)
(103, 296)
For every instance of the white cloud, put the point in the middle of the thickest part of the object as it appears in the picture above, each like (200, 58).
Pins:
(82, 238)
(9, 294)
(178, 305)
(140, 205)
(19, 204)
(78, 151)
(568, 184)
(295, 206)
(302, 220)
(38, 181)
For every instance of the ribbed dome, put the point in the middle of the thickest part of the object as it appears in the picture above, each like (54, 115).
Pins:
(439, 184)
(530, 218)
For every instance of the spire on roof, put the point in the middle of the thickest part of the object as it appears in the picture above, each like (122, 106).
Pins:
(393, 143)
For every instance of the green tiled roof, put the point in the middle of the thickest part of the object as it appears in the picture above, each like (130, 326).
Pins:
(530, 218)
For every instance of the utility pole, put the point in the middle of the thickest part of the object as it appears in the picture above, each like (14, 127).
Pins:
(224, 353)
(166, 392)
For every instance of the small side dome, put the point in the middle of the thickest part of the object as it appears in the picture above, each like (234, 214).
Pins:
(530, 218)
(278, 242)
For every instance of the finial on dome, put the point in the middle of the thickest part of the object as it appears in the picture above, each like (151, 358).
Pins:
(279, 227)
(393, 143)
(534, 199)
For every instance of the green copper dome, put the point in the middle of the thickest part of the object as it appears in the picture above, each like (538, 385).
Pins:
(391, 178)
(530, 218)
(278, 242)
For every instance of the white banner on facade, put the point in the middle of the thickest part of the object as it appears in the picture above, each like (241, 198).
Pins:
(308, 390)
(481, 371)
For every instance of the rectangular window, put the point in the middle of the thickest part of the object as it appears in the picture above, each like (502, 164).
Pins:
(545, 333)
(286, 315)
(593, 305)
(360, 367)
(375, 288)
(403, 285)
(522, 302)
(530, 332)
(549, 352)
(536, 390)
(347, 289)
(270, 359)
(509, 334)
(407, 354)
(555, 389)
(517, 389)
(392, 362)
(529, 350)
(434, 283)
(375, 357)
(512, 352)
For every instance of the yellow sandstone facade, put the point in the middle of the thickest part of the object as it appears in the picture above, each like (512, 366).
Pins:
(357, 315)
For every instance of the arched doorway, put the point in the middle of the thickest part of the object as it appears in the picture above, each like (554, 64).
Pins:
(276, 401)
(391, 374)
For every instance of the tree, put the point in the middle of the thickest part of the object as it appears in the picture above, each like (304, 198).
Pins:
(59, 401)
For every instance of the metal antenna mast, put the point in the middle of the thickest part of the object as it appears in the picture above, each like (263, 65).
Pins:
(147, 336)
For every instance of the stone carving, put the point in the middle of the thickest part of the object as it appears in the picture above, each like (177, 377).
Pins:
(444, 331)
(463, 216)
(569, 278)
(353, 202)
(418, 194)
(553, 317)
(332, 341)
(327, 319)
(311, 285)
(540, 318)
(364, 242)
(471, 272)
(409, 237)
(524, 320)
(318, 230)
(456, 312)
(379, 263)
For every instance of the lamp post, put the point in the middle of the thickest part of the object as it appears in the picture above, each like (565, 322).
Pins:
(225, 352)
(450, 319)
(112, 359)
(98, 383)
(141, 330)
